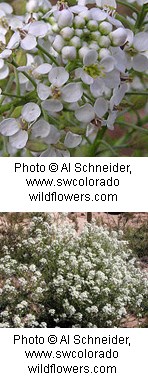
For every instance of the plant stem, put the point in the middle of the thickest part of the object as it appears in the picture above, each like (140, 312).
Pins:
(141, 16)
(8, 87)
(25, 74)
(11, 95)
(18, 91)
(97, 141)
(19, 101)
(109, 147)
(43, 50)
(133, 126)
(143, 93)
(88, 97)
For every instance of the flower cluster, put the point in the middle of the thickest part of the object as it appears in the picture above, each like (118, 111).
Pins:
(70, 68)
(21, 293)
(55, 277)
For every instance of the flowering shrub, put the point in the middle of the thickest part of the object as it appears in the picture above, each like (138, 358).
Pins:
(55, 277)
(68, 73)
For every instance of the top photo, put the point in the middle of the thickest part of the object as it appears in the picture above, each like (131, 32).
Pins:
(74, 78)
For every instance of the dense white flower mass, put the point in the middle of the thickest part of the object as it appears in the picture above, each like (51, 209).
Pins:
(72, 67)
(51, 276)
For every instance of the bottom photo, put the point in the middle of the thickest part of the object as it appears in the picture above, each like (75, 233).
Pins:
(74, 270)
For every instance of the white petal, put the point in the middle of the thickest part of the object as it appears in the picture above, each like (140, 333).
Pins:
(30, 112)
(101, 107)
(41, 128)
(42, 69)
(72, 140)
(52, 105)
(108, 63)
(141, 41)
(28, 43)
(118, 37)
(140, 63)
(19, 140)
(112, 79)
(15, 23)
(1, 63)
(6, 8)
(14, 41)
(85, 113)
(111, 120)
(9, 127)
(5, 54)
(97, 14)
(2, 37)
(58, 76)
(90, 57)
(86, 78)
(97, 87)
(53, 136)
(118, 94)
(4, 72)
(38, 28)
(120, 58)
(43, 91)
(72, 92)
(109, 3)
(78, 8)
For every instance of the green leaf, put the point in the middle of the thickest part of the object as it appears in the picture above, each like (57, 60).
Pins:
(21, 58)
(36, 146)
(17, 112)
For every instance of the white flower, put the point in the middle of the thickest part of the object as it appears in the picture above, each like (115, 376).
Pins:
(17, 137)
(58, 76)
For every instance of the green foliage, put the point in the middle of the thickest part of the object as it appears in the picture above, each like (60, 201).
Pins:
(138, 240)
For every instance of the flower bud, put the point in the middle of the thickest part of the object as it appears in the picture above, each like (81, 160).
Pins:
(58, 43)
(76, 41)
(67, 33)
(85, 14)
(105, 28)
(104, 42)
(69, 53)
(104, 52)
(92, 25)
(95, 36)
(65, 18)
(118, 37)
(79, 22)
(78, 32)
(83, 51)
